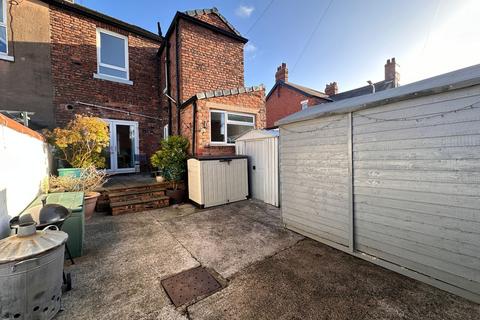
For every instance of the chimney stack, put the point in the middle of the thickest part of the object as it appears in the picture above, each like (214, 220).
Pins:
(391, 72)
(282, 73)
(331, 89)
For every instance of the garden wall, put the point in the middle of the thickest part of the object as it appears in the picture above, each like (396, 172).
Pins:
(24, 163)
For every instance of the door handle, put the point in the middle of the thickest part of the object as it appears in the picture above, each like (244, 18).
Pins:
(253, 167)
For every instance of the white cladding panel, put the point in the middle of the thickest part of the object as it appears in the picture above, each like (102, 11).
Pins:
(314, 177)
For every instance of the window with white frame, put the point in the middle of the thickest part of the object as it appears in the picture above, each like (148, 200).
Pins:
(112, 54)
(165, 132)
(226, 127)
(304, 104)
(3, 27)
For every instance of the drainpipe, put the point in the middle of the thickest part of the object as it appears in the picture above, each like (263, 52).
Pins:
(177, 45)
(169, 89)
(194, 126)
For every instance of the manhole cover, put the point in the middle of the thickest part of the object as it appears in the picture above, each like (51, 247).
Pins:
(190, 284)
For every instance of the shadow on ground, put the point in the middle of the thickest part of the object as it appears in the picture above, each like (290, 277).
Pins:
(271, 273)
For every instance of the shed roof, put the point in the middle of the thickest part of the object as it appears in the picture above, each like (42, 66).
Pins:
(454, 80)
(258, 134)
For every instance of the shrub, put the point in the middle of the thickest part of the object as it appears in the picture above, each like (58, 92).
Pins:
(171, 159)
(81, 142)
(90, 180)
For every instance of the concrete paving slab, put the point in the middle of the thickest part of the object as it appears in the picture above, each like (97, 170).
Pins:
(229, 238)
(119, 275)
(313, 281)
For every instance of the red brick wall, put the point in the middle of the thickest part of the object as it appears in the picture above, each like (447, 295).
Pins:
(208, 60)
(284, 101)
(74, 61)
(215, 20)
(251, 102)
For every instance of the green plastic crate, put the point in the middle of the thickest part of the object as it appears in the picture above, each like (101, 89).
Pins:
(69, 172)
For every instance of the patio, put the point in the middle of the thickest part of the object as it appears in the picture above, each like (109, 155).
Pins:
(266, 272)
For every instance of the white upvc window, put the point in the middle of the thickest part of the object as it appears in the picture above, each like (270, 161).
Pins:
(112, 57)
(3, 28)
(165, 132)
(226, 127)
(304, 104)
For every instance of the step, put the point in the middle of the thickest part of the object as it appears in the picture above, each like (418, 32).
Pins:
(121, 207)
(134, 188)
(135, 194)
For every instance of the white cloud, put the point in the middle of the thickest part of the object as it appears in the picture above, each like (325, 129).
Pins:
(244, 11)
(250, 48)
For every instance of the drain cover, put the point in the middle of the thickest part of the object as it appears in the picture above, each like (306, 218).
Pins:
(190, 284)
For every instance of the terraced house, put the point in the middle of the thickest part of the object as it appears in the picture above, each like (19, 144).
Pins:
(74, 60)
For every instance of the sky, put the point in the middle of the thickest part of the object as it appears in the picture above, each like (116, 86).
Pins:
(347, 41)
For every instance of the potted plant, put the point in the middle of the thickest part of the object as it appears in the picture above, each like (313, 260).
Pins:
(171, 160)
(89, 180)
(80, 144)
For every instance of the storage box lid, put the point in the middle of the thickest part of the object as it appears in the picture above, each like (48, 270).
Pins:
(207, 158)
(16, 248)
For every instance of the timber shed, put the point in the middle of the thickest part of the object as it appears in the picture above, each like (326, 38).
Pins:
(392, 177)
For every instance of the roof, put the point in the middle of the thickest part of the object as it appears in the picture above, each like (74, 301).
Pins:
(76, 8)
(305, 90)
(455, 80)
(379, 86)
(192, 15)
(221, 93)
(258, 134)
(198, 12)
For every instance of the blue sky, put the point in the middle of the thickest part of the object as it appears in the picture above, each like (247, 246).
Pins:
(349, 45)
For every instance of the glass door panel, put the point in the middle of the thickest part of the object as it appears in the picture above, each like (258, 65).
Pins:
(125, 146)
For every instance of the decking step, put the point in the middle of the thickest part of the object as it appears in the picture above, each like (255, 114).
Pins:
(135, 188)
(120, 207)
(133, 194)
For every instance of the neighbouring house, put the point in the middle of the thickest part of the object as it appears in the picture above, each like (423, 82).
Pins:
(79, 61)
(202, 60)
(286, 97)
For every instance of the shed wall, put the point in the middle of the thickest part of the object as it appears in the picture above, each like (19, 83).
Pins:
(416, 185)
(314, 177)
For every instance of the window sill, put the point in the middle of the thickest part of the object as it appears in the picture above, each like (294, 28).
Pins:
(221, 144)
(113, 79)
(7, 58)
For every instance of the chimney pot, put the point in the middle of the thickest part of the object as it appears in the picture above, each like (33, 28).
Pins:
(331, 89)
(391, 72)
(282, 73)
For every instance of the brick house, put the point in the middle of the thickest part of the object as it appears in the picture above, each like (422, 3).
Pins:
(79, 61)
(202, 58)
(286, 97)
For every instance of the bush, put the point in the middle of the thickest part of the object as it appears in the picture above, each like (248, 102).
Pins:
(90, 180)
(81, 142)
(171, 159)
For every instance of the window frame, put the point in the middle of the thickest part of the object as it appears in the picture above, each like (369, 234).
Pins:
(4, 24)
(165, 132)
(227, 122)
(104, 76)
(304, 104)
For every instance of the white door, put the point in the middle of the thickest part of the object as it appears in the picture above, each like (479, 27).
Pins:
(256, 152)
(123, 151)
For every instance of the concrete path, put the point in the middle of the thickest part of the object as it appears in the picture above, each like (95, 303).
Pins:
(267, 272)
